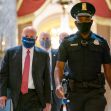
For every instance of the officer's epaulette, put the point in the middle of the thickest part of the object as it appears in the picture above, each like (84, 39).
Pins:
(71, 37)
(99, 38)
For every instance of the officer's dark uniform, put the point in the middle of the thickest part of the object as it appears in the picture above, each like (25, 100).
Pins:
(85, 57)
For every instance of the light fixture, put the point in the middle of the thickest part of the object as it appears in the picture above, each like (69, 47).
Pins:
(64, 25)
(64, 4)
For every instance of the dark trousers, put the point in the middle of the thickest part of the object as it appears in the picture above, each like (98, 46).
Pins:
(87, 100)
(56, 102)
(29, 102)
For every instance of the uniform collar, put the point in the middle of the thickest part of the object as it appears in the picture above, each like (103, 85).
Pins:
(88, 38)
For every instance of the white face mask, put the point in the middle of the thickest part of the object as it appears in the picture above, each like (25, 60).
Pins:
(45, 43)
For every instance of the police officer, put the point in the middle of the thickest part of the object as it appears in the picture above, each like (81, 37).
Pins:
(85, 52)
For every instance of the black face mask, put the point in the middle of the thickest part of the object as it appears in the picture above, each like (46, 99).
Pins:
(84, 27)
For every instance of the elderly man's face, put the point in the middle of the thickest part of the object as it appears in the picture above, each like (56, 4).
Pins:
(62, 36)
(45, 37)
(29, 37)
(45, 40)
(29, 33)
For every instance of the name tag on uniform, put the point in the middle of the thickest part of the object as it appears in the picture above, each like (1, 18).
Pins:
(74, 44)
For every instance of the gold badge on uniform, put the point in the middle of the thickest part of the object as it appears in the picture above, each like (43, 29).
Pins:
(96, 42)
(84, 6)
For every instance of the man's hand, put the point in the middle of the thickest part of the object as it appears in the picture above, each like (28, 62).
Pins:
(60, 92)
(48, 107)
(3, 101)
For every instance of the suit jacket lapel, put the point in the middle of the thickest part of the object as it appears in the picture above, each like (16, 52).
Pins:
(35, 61)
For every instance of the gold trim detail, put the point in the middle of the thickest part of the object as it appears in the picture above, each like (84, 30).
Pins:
(84, 7)
(26, 19)
(36, 13)
(103, 20)
(19, 3)
(108, 3)
(31, 17)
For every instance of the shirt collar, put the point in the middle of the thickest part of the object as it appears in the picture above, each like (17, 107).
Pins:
(25, 49)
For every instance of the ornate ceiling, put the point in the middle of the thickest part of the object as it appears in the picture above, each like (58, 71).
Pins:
(103, 7)
(27, 8)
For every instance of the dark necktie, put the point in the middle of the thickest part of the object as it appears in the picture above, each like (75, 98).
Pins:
(25, 75)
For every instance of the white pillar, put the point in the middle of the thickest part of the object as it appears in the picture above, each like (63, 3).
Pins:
(7, 23)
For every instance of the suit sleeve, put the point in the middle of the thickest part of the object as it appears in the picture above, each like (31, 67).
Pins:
(4, 72)
(47, 85)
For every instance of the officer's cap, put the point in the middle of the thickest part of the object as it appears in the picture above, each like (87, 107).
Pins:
(82, 9)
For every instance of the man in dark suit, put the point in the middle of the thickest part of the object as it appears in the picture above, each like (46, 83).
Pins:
(25, 70)
(45, 42)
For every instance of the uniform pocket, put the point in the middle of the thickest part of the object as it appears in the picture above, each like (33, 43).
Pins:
(96, 49)
(74, 52)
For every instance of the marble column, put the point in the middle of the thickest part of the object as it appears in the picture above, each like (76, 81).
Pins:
(7, 31)
(7, 24)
